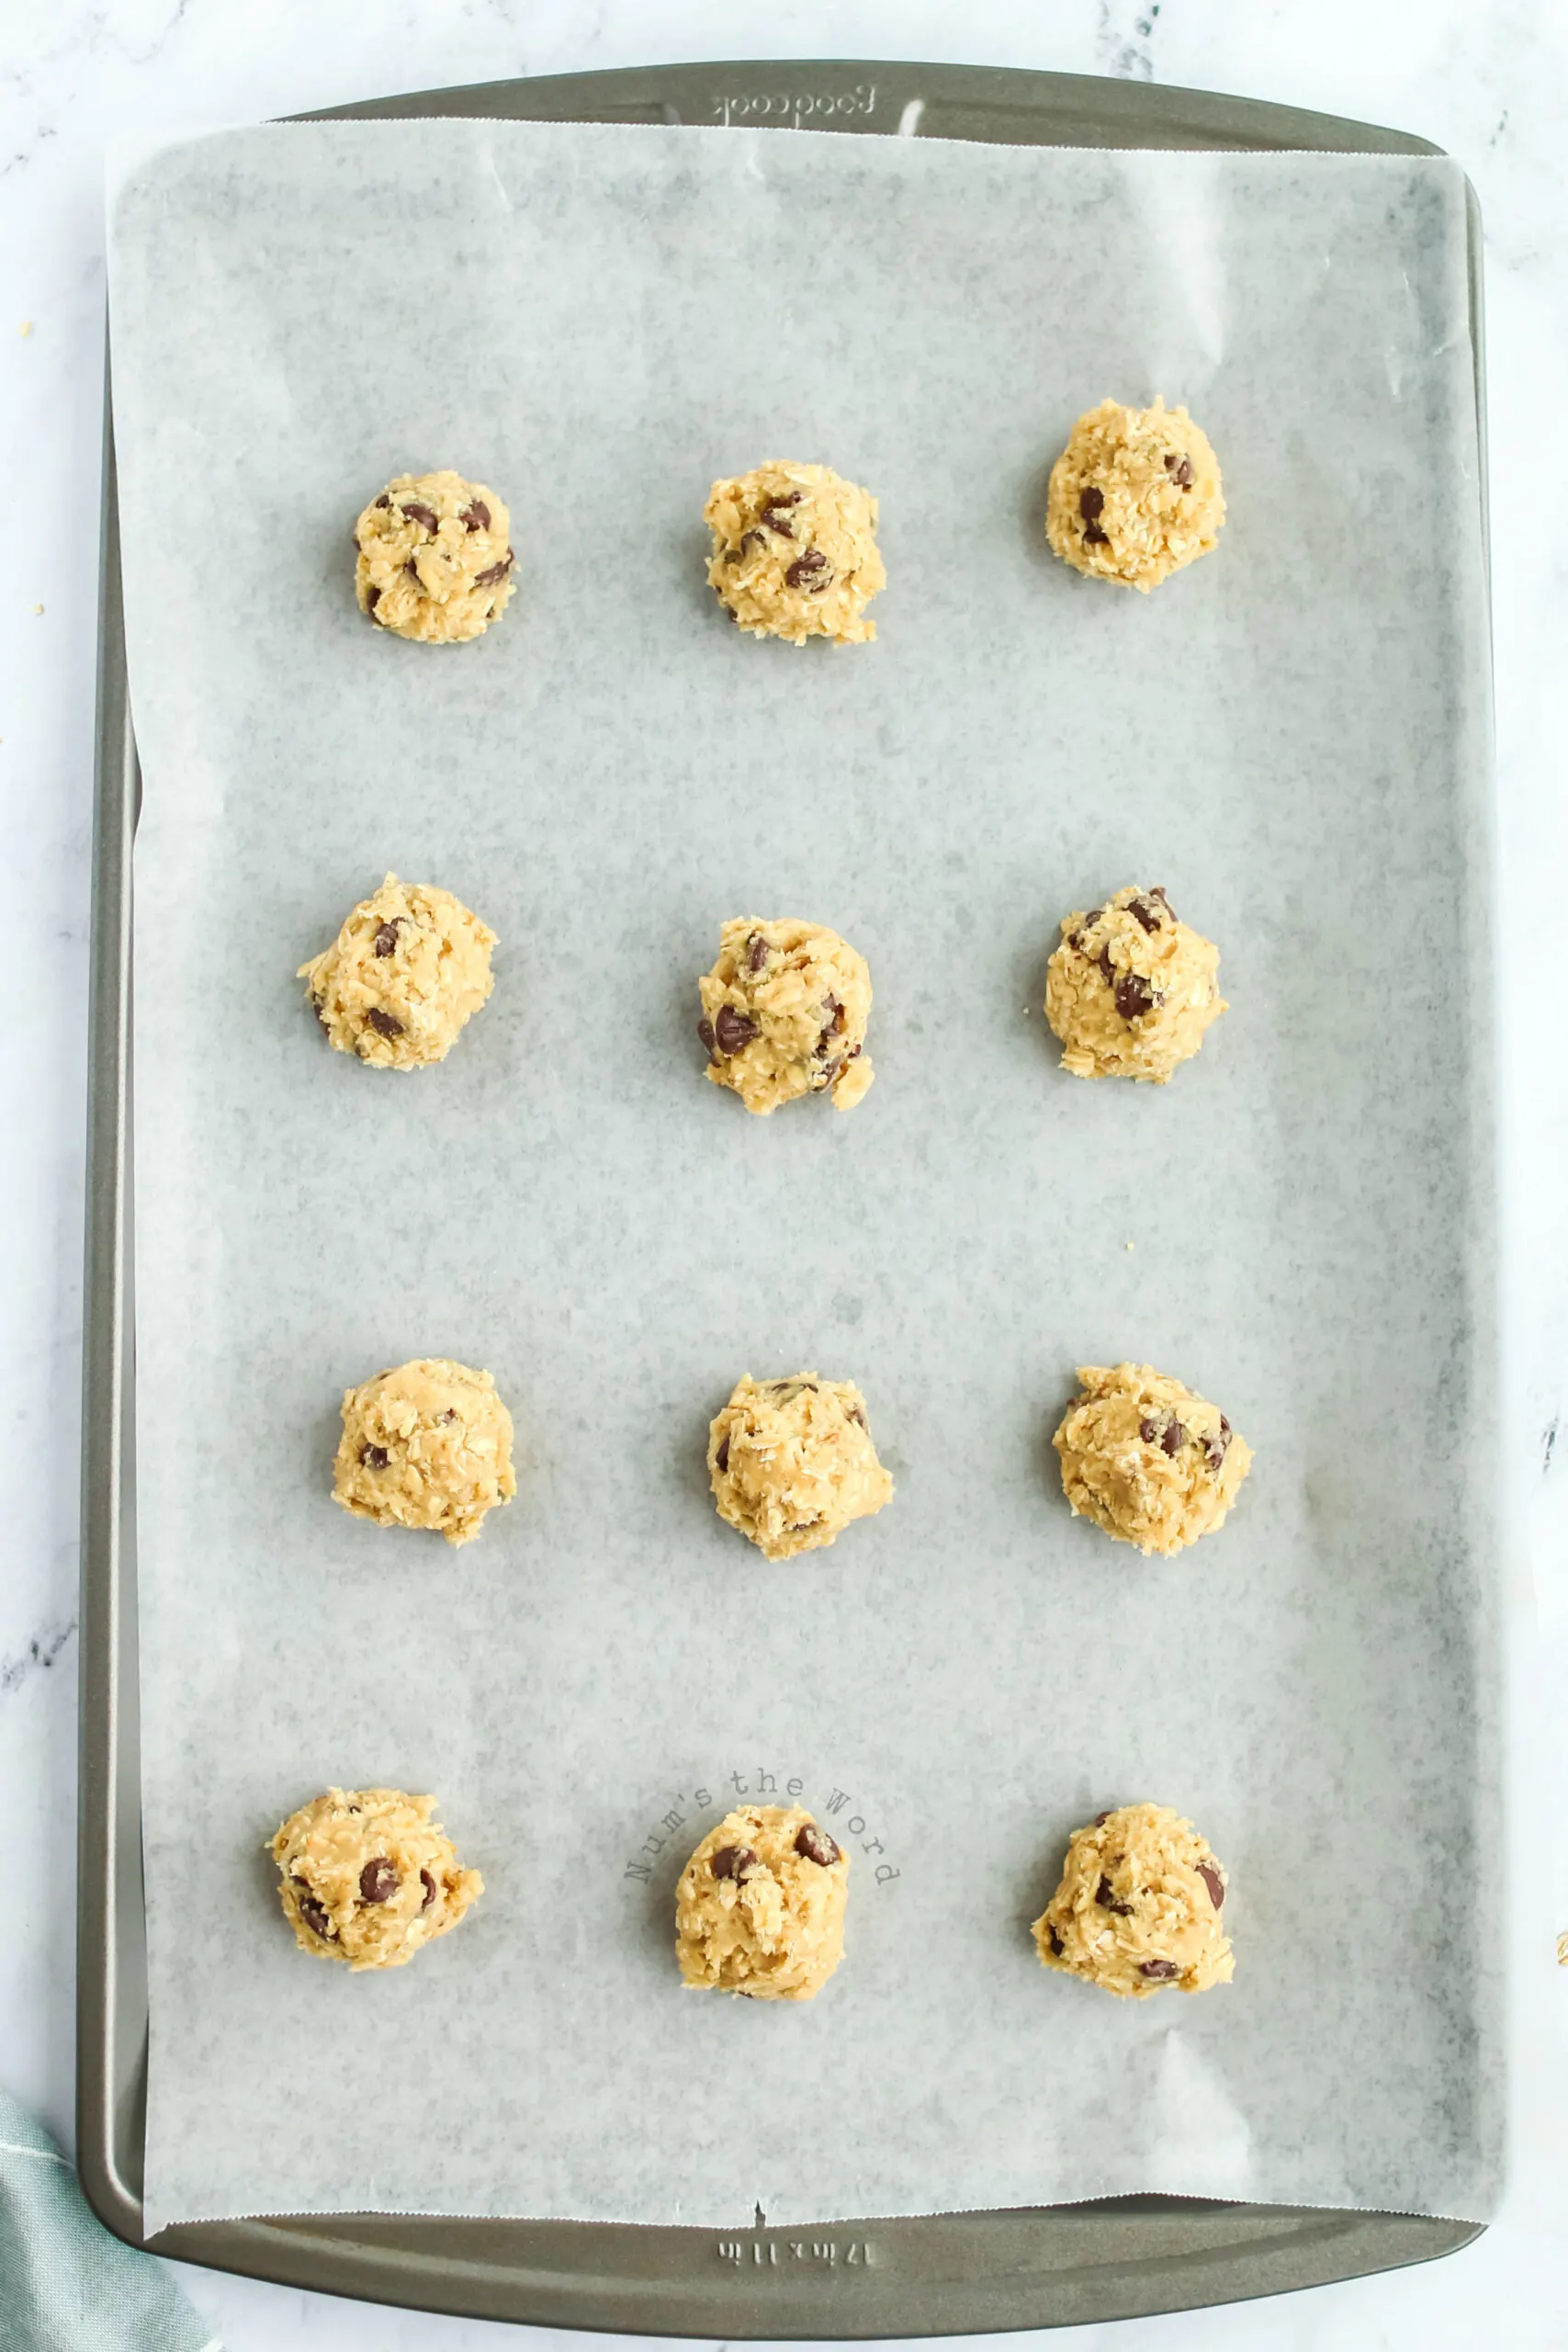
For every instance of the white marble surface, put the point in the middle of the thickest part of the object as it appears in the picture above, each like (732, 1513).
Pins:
(1488, 79)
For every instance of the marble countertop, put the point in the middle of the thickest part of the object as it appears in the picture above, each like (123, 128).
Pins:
(1488, 80)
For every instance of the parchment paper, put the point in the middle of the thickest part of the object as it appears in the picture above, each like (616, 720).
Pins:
(1291, 739)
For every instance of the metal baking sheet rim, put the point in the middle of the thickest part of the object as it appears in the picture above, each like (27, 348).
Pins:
(958, 2273)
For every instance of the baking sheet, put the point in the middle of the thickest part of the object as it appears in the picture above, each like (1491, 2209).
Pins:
(1291, 739)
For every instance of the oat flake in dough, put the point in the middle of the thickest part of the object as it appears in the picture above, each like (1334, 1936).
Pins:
(409, 967)
(759, 1907)
(784, 1013)
(1148, 1460)
(366, 1876)
(427, 1444)
(792, 1464)
(1135, 495)
(433, 558)
(1132, 990)
(795, 553)
(1140, 1907)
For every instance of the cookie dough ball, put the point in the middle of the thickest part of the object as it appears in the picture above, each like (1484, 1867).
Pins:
(1146, 1460)
(426, 1445)
(434, 558)
(368, 1878)
(785, 1012)
(760, 1908)
(403, 975)
(1139, 1906)
(1131, 990)
(792, 1463)
(1134, 495)
(795, 553)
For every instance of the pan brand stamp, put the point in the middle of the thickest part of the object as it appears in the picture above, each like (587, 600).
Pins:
(762, 1786)
(777, 2253)
(799, 112)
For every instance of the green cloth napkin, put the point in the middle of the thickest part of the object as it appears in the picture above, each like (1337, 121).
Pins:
(67, 2283)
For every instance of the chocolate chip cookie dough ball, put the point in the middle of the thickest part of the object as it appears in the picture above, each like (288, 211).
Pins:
(434, 558)
(792, 1463)
(426, 1445)
(795, 553)
(1146, 1460)
(760, 1908)
(784, 1013)
(367, 1877)
(405, 972)
(1139, 1908)
(1135, 495)
(1132, 990)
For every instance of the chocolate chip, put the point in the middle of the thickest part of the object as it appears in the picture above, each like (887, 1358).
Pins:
(316, 1008)
(1158, 1968)
(705, 1031)
(378, 1881)
(1179, 469)
(475, 516)
(1215, 1883)
(1104, 1895)
(748, 539)
(449, 1415)
(1148, 1432)
(1054, 1940)
(1155, 891)
(497, 573)
(372, 598)
(756, 951)
(1100, 1819)
(383, 500)
(1218, 1446)
(1148, 916)
(1107, 967)
(315, 1914)
(733, 1030)
(1091, 503)
(801, 573)
(856, 1415)
(429, 1885)
(1094, 536)
(411, 569)
(420, 515)
(374, 1457)
(721, 1459)
(816, 1845)
(1174, 1433)
(731, 1861)
(386, 939)
(384, 1023)
(777, 506)
(1133, 996)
